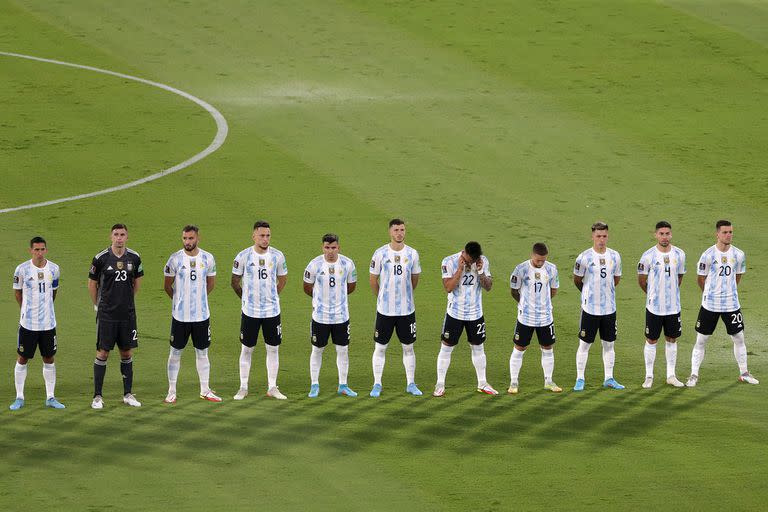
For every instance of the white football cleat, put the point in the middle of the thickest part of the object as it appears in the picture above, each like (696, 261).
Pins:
(241, 394)
(275, 393)
(210, 396)
(551, 386)
(129, 399)
(487, 390)
(692, 381)
(98, 402)
(748, 378)
(170, 398)
(513, 389)
(673, 381)
(439, 390)
(648, 383)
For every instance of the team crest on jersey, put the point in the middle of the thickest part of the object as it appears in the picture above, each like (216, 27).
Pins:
(40, 276)
(119, 265)
(397, 258)
(724, 259)
(666, 260)
(331, 270)
(192, 264)
(537, 275)
(602, 261)
(261, 262)
(130, 267)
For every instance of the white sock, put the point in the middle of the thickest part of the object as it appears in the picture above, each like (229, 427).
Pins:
(342, 362)
(20, 377)
(203, 365)
(697, 356)
(409, 361)
(479, 362)
(740, 351)
(379, 356)
(443, 362)
(245, 365)
(273, 365)
(49, 376)
(670, 350)
(609, 357)
(515, 363)
(650, 358)
(582, 354)
(548, 364)
(174, 363)
(315, 362)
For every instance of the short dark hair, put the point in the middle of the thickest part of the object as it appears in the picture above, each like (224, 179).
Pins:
(37, 240)
(190, 227)
(663, 224)
(260, 224)
(722, 223)
(473, 250)
(329, 238)
(540, 248)
(119, 226)
(396, 222)
(599, 226)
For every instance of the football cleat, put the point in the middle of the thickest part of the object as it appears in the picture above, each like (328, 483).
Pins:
(673, 381)
(579, 386)
(210, 396)
(314, 390)
(17, 404)
(692, 381)
(345, 391)
(487, 390)
(439, 390)
(376, 391)
(413, 389)
(241, 394)
(513, 388)
(54, 404)
(129, 399)
(275, 393)
(170, 398)
(748, 378)
(551, 386)
(98, 402)
(612, 384)
(648, 383)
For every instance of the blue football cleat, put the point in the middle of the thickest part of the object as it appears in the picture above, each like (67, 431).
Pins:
(346, 391)
(376, 391)
(54, 404)
(611, 383)
(412, 389)
(17, 404)
(579, 386)
(314, 390)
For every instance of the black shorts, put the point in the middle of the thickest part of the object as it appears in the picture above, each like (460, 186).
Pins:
(589, 325)
(405, 325)
(319, 333)
(707, 320)
(28, 341)
(545, 334)
(200, 332)
(453, 327)
(121, 333)
(270, 328)
(672, 324)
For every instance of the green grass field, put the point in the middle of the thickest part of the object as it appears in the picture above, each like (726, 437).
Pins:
(504, 122)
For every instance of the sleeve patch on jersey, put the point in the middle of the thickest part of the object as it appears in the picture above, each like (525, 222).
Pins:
(445, 269)
(514, 279)
(306, 274)
(93, 269)
(236, 264)
(577, 267)
(640, 267)
(15, 279)
(702, 266)
(373, 263)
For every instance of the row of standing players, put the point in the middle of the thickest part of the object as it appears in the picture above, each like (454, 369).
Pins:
(259, 274)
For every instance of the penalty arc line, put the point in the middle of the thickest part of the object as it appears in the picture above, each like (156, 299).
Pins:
(222, 129)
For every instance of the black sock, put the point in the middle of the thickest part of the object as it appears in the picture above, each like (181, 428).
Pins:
(126, 369)
(99, 370)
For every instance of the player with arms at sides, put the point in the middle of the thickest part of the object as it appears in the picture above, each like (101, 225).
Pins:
(719, 273)
(659, 274)
(394, 275)
(35, 283)
(329, 279)
(190, 276)
(259, 274)
(596, 273)
(465, 275)
(113, 282)
(533, 283)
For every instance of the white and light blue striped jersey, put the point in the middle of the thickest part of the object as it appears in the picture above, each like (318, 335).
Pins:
(662, 269)
(37, 286)
(598, 295)
(190, 292)
(535, 306)
(260, 271)
(465, 302)
(329, 293)
(394, 269)
(720, 292)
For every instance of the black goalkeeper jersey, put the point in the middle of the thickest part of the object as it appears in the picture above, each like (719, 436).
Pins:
(116, 277)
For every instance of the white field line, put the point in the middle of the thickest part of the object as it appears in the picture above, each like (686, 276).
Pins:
(221, 134)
